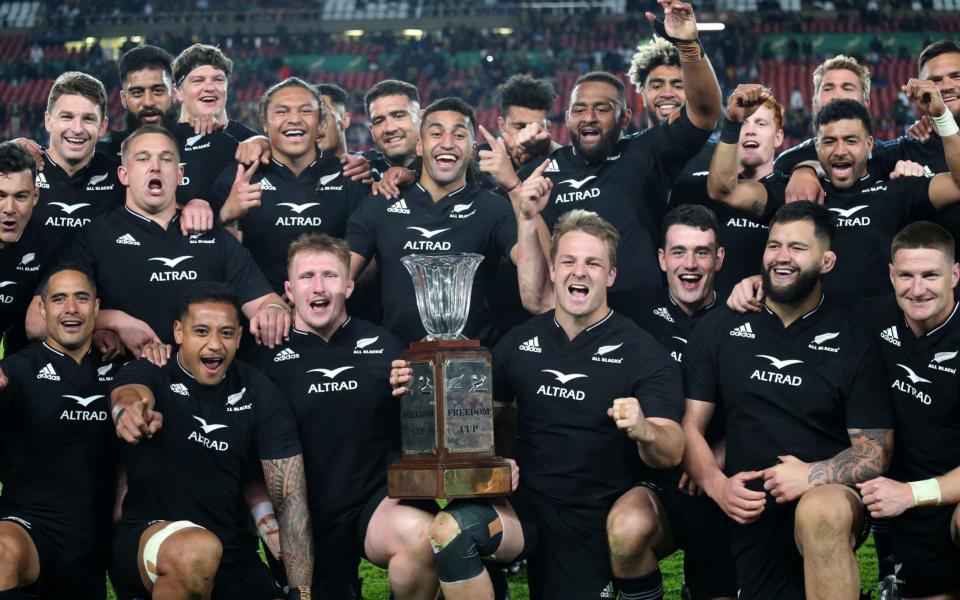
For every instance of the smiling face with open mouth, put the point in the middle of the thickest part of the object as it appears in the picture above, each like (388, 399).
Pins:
(75, 124)
(794, 261)
(18, 196)
(691, 259)
(151, 171)
(663, 92)
(446, 144)
(759, 139)
(292, 121)
(595, 119)
(581, 274)
(319, 284)
(203, 92)
(70, 308)
(923, 280)
(843, 148)
(944, 70)
(395, 127)
(208, 336)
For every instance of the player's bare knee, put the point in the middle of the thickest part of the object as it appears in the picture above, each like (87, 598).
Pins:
(192, 556)
(12, 554)
(632, 529)
(824, 517)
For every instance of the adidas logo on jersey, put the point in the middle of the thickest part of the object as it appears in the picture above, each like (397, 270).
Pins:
(128, 240)
(744, 331)
(179, 388)
(553, 167)
(663, 313)
(266, 186)
(890, 334)
(399, 207)
(41, 181)
(285, 354)
(608, 592)
(532, 345)
(48, 372)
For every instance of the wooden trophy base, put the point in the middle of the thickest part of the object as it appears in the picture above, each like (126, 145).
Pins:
(447, 424)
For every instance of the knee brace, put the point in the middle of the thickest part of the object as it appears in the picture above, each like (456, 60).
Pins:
(459, 559)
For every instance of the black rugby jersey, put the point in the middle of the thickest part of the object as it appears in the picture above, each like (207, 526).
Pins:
(866, 217)
(142, 268)
(21, 267)
(319, 199)
(195, 466)
(347, 418)
(568, 449)
(58, 440)
(743, 238)
(630, 189)
(380, 163)
(204, 157)
(110, 143)
(67, 203)
(661, 317)
(470, 219)
(793, 390)
(923, 380)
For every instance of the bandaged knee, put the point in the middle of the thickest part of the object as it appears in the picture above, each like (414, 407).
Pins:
(151, 550)
(479, 535)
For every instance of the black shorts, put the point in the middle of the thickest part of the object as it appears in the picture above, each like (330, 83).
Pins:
(567, 554)
(73, 562)
(930, 561)
(338, 542)
(242, 574)
(702, 531)
(768, 563)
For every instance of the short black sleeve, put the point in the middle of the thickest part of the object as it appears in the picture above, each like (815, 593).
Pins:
(700, 368)
(13, 367)
(914, 193)
(677, 142)
(362, 227)
(276, 429)
(141, 372)
(870, 405)
(241, 272)
(502, 391)
(790, 158)
(658, 384)
(221, 189)
(503, 236)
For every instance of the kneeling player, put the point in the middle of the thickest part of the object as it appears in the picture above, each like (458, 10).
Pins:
(335, 368)
(195, 428)
(58, 451)
(924, 485)
(582, 376)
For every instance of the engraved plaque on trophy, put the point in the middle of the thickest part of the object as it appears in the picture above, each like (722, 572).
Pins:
(446, 416)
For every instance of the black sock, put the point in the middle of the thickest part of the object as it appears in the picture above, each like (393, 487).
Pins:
(13, 594)
(884, 546)
(647, 587)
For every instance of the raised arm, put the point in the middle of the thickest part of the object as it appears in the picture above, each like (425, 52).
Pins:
(533, 270)
(944, 189)
(699, 79)
(723, 184)
(287, 488)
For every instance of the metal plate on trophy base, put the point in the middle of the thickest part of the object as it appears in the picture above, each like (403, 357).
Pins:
(418, 409)
(469, 405)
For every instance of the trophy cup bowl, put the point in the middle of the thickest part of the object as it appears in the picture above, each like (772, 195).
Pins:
(446, 414)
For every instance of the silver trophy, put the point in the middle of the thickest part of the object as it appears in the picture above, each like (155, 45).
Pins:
(447, 413)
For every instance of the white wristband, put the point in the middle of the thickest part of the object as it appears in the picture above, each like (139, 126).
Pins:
(945, 124)
(926, 492)
(261, 510)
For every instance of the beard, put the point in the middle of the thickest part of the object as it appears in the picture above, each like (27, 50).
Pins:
(805, 283)
(603, 148)
(168, 119)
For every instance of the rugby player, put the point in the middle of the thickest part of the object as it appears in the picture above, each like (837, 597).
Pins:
(142, 262)
(596, 395)
(743, 238)
(441, 213)
(869, 211)
(336, 366)
(58, 451)
(23, 252)
(627, 179)
(146, 94)
(393, 108)
(195, 429)
(808, 415)
(919, 333)
(301, 189)
(332, 136)
(656, 74)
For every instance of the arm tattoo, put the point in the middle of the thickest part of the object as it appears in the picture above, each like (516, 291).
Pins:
(867, 457)
(288, 492)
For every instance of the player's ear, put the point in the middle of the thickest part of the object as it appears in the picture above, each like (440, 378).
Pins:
(288, 290)
(721, 254)
(828, 262)
(662, 258)
(349, 288)
(612, 277)
(178, 332)
(893, 278)
(501, 124)
(419, 146)
(345, 121)
(122, 175)
(955, 272)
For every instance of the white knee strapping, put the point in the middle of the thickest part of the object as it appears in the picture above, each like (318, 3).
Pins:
(151, 550)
